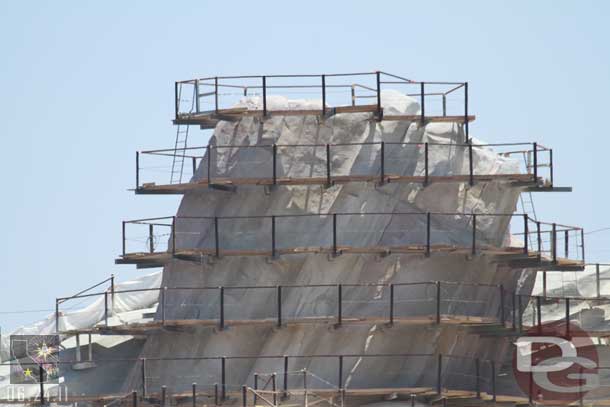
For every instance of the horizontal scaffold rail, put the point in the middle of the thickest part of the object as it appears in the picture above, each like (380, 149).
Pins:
(415, 303)
(533, 165)
(549, 246)
(223, 373)
(205, 101)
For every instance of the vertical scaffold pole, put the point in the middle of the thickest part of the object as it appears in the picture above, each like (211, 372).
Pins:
(439, 374)
(428, 234)
(223, 378)
(466, 124)
(279, 306)
(216, 95)
(216, 237)
(221, 294)
(438, 302)
(382, 152)
(339, 304)
(422, 119)
(379, 110)
(323, 95)
(426, 170)
(391, 304)
(264, 96)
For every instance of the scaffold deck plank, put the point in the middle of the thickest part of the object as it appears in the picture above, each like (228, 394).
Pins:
(182, 188)
(150, 327)
(511, 256)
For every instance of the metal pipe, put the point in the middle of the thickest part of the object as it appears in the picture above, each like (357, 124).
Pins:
(551, 164)
(221, 324)
(323, 99)
(339, 304)
(77, 350)
(539, 313)
(57, 307)
(173, 235)
(428, 234)
(328, 174)
(255, 387)
(285, 376)
(493, 381)
(470, 165)
(539, 237)
(501, 287)
(379, 111)
(124, 242)
(444, 105)
(273, 247)
(163, 293)
(525, 234)
(391, 304)
(274, 163)
(568, 318)
(423, 105)
(382, 152)
(554, 243)
(566, 238)
(223, 374)
(151, 242)
(335, 252)
(143, 377)
(216, 398)
(274, 387)
(597, 282)
(264, 96)
(535, 162)
(340, 372)
(194, 163)
(279, 306)
(244, 396)
(137, 170)
(163, 396)
(438, 302)
(426, 165)
(474, 234)
(106, 308)
(196, 95)
(466, 124)
(194, 394)
(215, 95)
(176, 100)
(209, 151)
(439, 374)
(134, 399)
(216, 237)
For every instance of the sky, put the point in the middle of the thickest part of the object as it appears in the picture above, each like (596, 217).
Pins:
(86, 84)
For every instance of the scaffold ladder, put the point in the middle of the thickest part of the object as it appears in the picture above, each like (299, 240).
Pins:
(182, 135)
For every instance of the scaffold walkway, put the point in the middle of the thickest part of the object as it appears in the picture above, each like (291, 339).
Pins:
(557, 247)
(535, 166)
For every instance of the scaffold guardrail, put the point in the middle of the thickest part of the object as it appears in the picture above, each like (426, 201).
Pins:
(534, 160)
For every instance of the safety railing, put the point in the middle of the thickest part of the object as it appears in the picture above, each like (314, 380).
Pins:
(393, 162)
(332, 92)
(192, 237)
(418, 302)
(579, 283)
(218, 378)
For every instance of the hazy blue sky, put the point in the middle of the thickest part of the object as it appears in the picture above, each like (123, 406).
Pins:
(86, 84)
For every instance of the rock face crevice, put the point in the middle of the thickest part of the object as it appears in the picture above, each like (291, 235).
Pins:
(354, 230)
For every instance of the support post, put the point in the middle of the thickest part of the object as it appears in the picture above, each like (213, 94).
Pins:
(196, 96)
(279, 306)
(124, 242)
(544, 284)
(535, 146)
(41, 379)
(176, 100)
(470, 165)
(477, 368)
(106, 308)
(382, 172)
(519, 314)
(554, 243)
(539, 238)
(151, 237)
(216, 95)
(335, 251)
(264, 96)
(57, 306)
(89, 348)
(194, 394)
(514, 306)
(566, 243)
(474, 234)
(163, 295)
(530, 395)
(244, 396)
(137, 170)
(502, 319)
(323, 99)
(163, 396)
(568, 317)
(444, 105)
(379, 110)
(582, 247)
(274, 387)
(221, 321)
(340, 382)
(223, 378)
(539, 313)
(438, 302)
(273, 244)
(391, 304)
(216, 237)
(134, 399)
(426, 166)
(216, 398)
(597, 282)
(526, 234)
(285, 376)
(329, 181)
(551, 165)
(255, 387)
(209, 152)
(339, 304)
(173, 235)
(143, 377)
(78, 350)
(274, 163)
(428, 234)
(439, 375)
(194, 163)
(466, 112)
(493, 380)
(422, 98)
